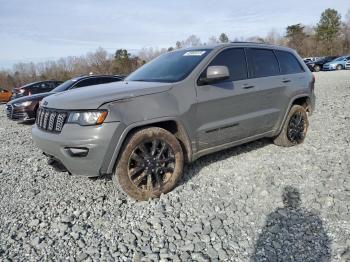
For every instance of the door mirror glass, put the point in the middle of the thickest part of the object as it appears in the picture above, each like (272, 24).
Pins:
(215, 74)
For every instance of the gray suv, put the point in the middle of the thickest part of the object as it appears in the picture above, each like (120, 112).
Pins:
(175, 109)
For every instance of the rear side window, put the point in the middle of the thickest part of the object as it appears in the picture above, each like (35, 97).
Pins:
(289, 64)
(235, 60)
(262, 62)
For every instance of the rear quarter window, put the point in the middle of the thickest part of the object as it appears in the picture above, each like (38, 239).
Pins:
(262, 63)
(288, 63)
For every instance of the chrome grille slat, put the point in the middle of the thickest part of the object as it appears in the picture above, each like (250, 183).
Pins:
(9, 111)
(46, 117)
(60, 121)
(51, 120)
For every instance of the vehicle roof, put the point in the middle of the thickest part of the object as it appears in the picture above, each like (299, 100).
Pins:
(92, 76)
(38, 82)
(239, 44)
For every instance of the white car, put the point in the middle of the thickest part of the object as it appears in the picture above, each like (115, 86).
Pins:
(347, 65)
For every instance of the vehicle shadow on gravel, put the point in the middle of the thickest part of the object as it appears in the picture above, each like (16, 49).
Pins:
(292, 233)
(193, 169)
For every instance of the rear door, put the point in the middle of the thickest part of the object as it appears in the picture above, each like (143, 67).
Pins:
(226, 110)
(270, 87)
(293, 79)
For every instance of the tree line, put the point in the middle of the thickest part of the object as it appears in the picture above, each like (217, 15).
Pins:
(330, 36)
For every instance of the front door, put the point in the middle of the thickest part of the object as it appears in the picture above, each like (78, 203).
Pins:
(226, 110)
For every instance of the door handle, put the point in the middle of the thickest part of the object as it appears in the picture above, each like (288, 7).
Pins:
(286, 80)
(247, 86)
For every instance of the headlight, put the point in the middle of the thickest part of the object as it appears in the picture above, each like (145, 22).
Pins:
(26, 103)
(87, 118)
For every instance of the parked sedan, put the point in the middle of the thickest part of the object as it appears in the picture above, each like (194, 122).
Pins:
(347, 65)
(316, 66)
(35, 88)
(337, 64)
(24, 108)
(5, 95)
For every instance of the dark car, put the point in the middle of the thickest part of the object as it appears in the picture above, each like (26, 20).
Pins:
(316, 66)
(35, 88)
(24, 108)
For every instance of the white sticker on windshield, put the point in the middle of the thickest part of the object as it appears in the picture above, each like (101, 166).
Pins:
(194, 53)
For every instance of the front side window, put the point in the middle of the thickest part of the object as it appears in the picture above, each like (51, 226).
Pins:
(288, 63)
(262, 63)
(235, 61)
(87, 82)
(105, 80)
(170, 67)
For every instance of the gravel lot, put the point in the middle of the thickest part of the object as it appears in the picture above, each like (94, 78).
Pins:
(256, 202)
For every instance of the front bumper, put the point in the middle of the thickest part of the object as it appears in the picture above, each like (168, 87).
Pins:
(329, 68)
(95, 138)
(20, 113)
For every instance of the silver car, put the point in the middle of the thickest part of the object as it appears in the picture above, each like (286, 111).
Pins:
(175, 109)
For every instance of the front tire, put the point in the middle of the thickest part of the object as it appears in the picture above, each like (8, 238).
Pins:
(317, 68)
(294, 129)
(151, 164)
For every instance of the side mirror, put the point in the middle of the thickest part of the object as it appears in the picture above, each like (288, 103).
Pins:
(215, 74)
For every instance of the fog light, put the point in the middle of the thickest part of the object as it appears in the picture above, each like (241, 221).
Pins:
(77, 151)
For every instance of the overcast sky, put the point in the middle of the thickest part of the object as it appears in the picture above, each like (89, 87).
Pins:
(37, 30)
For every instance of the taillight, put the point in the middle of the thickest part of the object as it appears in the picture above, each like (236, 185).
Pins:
(313, 82)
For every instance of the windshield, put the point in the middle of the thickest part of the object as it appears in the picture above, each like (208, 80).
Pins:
(170, 67)
(339, 59)
(64, 86)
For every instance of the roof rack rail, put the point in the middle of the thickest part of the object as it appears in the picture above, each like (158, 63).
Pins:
(248, 42)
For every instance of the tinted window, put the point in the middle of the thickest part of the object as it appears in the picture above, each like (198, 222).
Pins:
(170, 67)
(87, 82)
(105, 80)
(289, 64)
(235, 60)
(66, 85)
(44, 85)
(263, 62)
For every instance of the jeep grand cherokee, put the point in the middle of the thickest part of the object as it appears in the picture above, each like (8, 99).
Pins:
(175, 109)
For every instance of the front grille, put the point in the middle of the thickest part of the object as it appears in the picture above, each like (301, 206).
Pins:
(9, 111)
(50, 120)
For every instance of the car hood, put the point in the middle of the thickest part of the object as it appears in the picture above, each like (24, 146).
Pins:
(36, 97)
(92, 97)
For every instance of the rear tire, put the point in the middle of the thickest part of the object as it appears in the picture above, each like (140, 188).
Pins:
(339, 67)
(294, 129)
(317, 68)
(151, 164)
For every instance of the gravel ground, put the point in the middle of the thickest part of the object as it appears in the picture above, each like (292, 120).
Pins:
(256, 202)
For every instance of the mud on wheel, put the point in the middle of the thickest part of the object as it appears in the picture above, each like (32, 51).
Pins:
(295, 127)
(151, 163)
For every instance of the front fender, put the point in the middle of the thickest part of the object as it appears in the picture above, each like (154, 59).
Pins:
(120, 136)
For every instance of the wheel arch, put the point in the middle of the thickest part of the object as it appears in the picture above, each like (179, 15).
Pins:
(303, 100)
(172, 125)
